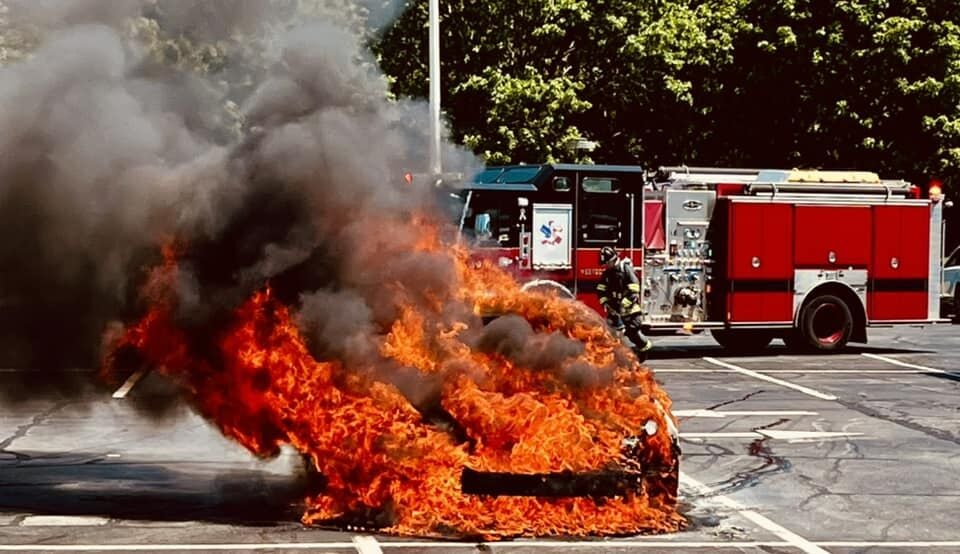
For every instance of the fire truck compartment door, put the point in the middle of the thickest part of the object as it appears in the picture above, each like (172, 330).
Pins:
(759, 241)
(832, 236)
(552, 225)
(901, 236)
(760, 262)
(900, 268)
(654, 236)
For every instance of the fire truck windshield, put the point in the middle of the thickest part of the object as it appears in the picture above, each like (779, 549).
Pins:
(509, 175)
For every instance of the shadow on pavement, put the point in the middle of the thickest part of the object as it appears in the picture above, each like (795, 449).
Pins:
(716, 351)
(87, 484)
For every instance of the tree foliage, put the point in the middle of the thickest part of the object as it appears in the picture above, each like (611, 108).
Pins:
(865, 84)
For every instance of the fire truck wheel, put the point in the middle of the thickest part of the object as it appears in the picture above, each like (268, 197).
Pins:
(793, 340)
(742, 340)
(825, 324)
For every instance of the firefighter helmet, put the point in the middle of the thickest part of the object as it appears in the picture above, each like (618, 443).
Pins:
(607, 255)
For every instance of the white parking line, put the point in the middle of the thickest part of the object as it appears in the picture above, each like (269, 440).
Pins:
(722, 435)
(891, 544)
(793, 539)
(691, 370)
(905, 364)
(640, 543)
(175, 547)
(794, 436)
(601, 545)
(740, 413)
(816, 371)
(775, 434)
(64, 521)
(367, 544)
(129, 383)
(805, 390)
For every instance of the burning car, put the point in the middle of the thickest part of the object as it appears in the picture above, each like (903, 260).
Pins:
(538, 423)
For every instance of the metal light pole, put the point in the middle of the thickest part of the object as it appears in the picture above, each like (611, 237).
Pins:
(435, 164)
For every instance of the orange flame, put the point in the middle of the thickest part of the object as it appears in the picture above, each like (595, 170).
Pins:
(375, 449)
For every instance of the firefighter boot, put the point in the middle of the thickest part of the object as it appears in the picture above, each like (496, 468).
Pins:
(642, 351)
(641, 345)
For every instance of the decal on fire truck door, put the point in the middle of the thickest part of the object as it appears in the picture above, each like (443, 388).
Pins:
(551, 227)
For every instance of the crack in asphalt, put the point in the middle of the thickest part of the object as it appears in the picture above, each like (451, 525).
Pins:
(820, 491)
(22, 431)
(885, 532)
(831, 478)
(772, 464)
(734, 401)
(872, 412)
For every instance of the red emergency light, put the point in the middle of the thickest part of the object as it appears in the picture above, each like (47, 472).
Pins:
(935, 189)
(408, 177)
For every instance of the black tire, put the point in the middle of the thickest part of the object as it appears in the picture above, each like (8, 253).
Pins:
(826, 324)
(549, 288)
(742, 340)
(793, 340)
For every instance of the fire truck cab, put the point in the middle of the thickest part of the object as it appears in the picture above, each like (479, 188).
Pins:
(811, 257)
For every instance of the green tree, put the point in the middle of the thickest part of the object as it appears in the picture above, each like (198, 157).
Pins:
(511, 88)
(521, 79)
(868, 84)
(865, 84)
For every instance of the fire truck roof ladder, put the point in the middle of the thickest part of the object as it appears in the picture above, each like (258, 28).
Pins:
(776, 181)
(707, 174)
(886, 188)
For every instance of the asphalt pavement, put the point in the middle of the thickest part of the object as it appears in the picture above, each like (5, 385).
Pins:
(857, 452)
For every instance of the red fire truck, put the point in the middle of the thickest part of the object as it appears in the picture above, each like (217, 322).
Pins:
(811, 257)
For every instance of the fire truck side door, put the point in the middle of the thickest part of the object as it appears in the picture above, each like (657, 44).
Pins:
(603, 211)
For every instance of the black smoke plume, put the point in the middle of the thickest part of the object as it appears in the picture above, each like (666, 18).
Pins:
(108, 154)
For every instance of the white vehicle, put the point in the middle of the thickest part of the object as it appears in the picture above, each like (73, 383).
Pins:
(951, 290)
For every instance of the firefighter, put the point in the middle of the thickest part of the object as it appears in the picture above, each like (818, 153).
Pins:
(619, 292)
